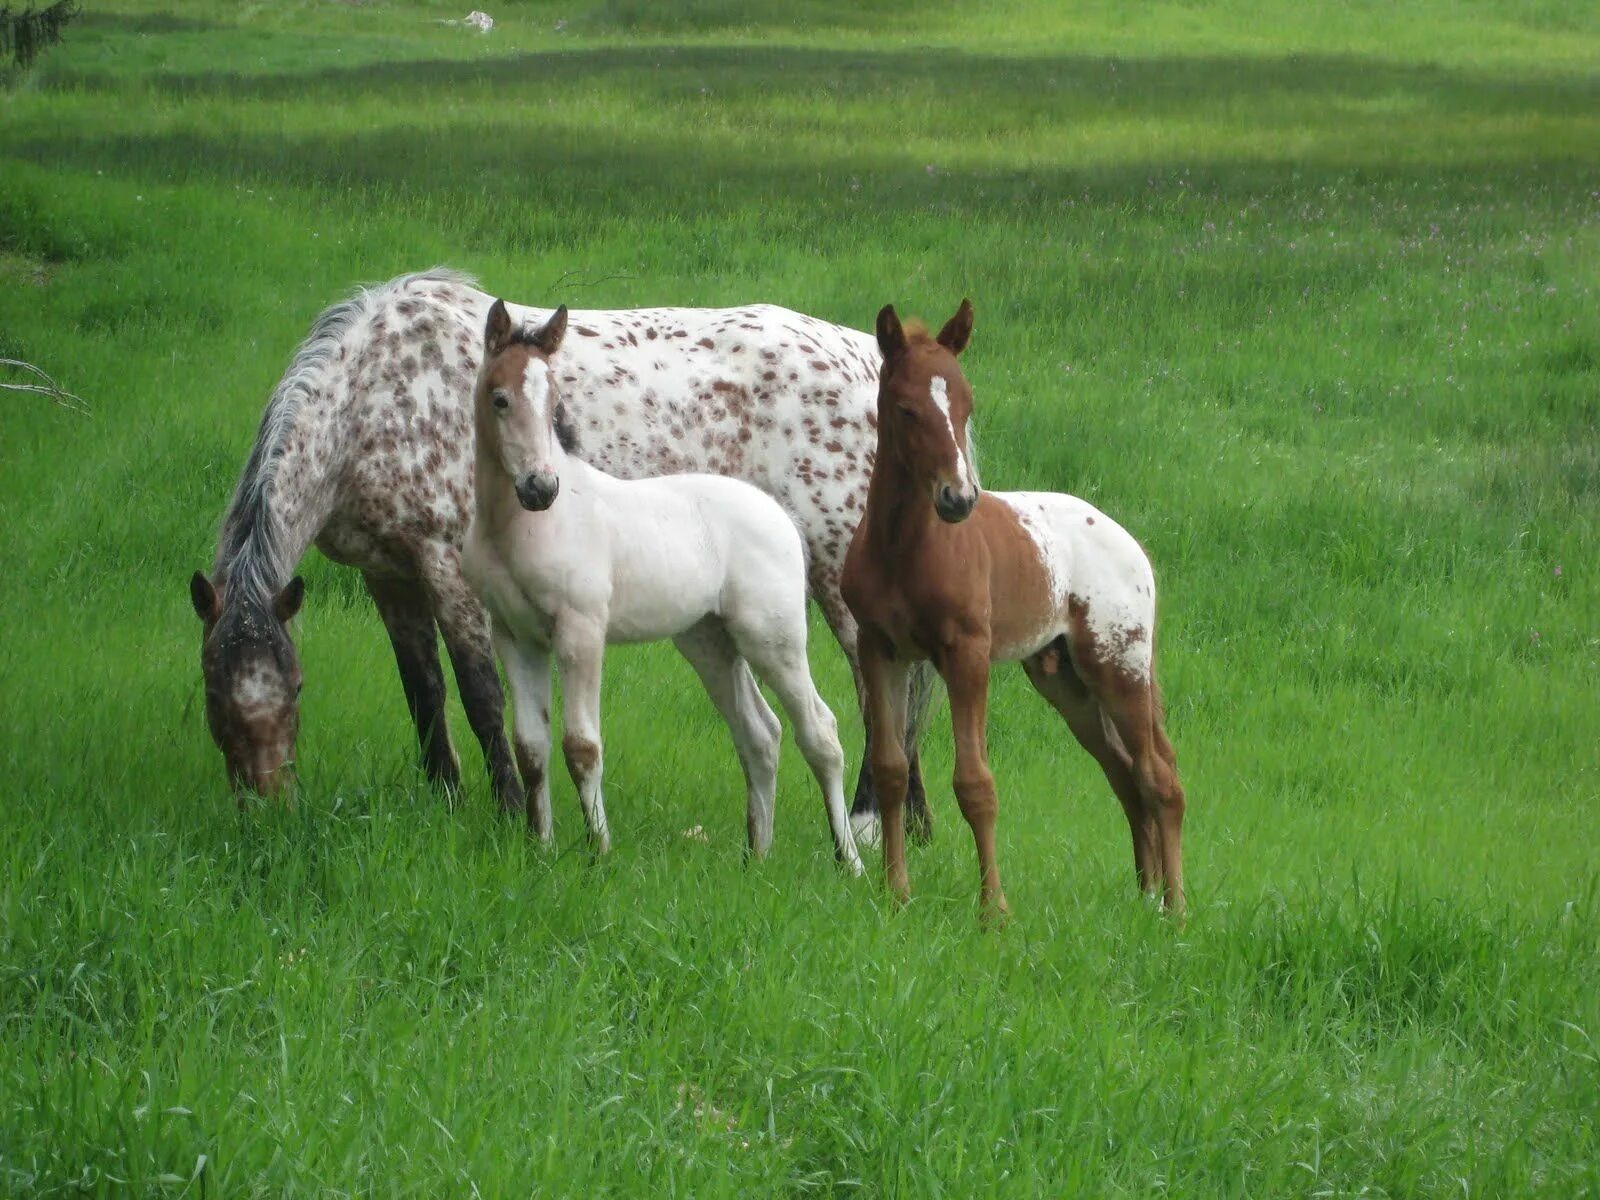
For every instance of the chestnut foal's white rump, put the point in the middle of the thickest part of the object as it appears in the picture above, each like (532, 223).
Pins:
(567, 558)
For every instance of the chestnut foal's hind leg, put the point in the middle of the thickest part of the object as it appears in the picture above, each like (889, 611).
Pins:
(1053, 678)
(1132, 712)
(403, 605)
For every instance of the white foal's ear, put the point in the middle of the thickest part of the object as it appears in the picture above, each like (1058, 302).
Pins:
(891, 334)
(204, 597)
(287, 602)
(497, 331)
(957, 331)
(549, 338)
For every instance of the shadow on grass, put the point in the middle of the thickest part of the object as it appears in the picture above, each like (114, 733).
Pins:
(957, 80)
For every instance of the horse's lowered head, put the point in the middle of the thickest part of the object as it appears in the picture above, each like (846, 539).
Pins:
(521, 425)
(924, 405)
(252, 677)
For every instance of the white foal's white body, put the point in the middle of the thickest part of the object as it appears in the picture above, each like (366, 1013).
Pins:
(710, 562)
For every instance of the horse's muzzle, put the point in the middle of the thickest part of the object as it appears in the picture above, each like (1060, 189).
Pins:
(954, 506)
(536, 491)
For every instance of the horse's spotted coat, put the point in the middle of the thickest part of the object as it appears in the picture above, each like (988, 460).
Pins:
(366, 449)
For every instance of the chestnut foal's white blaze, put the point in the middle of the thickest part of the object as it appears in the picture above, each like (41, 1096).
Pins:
(568, 558)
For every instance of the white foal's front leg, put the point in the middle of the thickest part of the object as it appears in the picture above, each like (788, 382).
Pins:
(528, 673)
(757, 736)
(580, 645)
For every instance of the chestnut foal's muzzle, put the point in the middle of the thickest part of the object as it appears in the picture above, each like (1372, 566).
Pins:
(954, 506)
(536, 490)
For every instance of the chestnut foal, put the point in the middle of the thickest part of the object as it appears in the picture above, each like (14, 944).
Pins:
(1037, 577)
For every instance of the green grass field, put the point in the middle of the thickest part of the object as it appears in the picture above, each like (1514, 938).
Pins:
(1307, 299)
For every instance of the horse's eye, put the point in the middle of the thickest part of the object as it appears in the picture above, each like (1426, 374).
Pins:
(908, 412)
(500, 400)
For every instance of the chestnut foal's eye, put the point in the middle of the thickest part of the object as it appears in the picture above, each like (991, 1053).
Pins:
(500, 400)
(908, 412)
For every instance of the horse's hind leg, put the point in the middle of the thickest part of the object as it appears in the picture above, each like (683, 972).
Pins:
(757, 736)
(465, 626)
(779, 658)
(1129, 703)
(1053, 678)
(403, 605)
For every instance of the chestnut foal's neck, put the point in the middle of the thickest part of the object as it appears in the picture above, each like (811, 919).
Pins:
(899, 512)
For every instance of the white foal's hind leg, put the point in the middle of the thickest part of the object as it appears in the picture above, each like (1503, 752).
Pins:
(528, 673)
(757, 736)
(780, 660)
(580, 645)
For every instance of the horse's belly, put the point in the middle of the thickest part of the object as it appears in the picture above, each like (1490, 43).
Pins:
(650, 604)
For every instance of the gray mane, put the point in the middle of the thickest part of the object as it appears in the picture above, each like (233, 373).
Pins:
(252, 555)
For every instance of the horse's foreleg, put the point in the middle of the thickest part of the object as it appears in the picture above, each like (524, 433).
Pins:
(966, 674)
(885, 679)
(580, 645)
(757, 736)
(403, 605)
(919, 821)
(528, 672)
(864, 817)
(465, 626)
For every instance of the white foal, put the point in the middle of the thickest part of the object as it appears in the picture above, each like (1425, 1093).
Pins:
(712, 563)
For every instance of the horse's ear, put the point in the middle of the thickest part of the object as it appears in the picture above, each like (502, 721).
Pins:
(287, 602)
(957, 331)
(203, 596)
(549, 338)
(891, 335)
(497, 331)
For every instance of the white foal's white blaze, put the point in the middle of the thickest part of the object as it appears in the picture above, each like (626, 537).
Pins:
(966, 478)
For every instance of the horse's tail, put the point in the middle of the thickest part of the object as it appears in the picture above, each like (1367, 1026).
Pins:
(254, 553)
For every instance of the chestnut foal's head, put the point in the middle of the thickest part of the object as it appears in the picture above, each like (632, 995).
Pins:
(516, 410)
(924, 404)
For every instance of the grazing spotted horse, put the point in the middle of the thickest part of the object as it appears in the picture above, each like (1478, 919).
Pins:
(933, 573)
(366, 450)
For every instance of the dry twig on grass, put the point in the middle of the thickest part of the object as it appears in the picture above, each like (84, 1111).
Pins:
(46, 386)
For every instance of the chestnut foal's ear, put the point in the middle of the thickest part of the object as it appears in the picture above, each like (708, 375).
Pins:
(957, 331)
(287, 602)
(549, 338)
(204, 597)
(497, 331)
(891, 335)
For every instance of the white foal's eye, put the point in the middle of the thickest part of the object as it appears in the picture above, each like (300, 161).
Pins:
(500, 400)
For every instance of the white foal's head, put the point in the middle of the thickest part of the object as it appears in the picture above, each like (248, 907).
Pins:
(519, 416)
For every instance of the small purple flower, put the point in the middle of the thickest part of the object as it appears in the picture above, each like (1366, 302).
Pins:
(1558, 570)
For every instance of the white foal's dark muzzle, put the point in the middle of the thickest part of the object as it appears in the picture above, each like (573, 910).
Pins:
(536, 490)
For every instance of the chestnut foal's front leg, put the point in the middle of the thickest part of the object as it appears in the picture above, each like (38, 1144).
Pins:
(965, 667)
(885, 679)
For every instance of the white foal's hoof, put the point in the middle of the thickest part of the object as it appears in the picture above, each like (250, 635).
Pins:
(865, 829)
